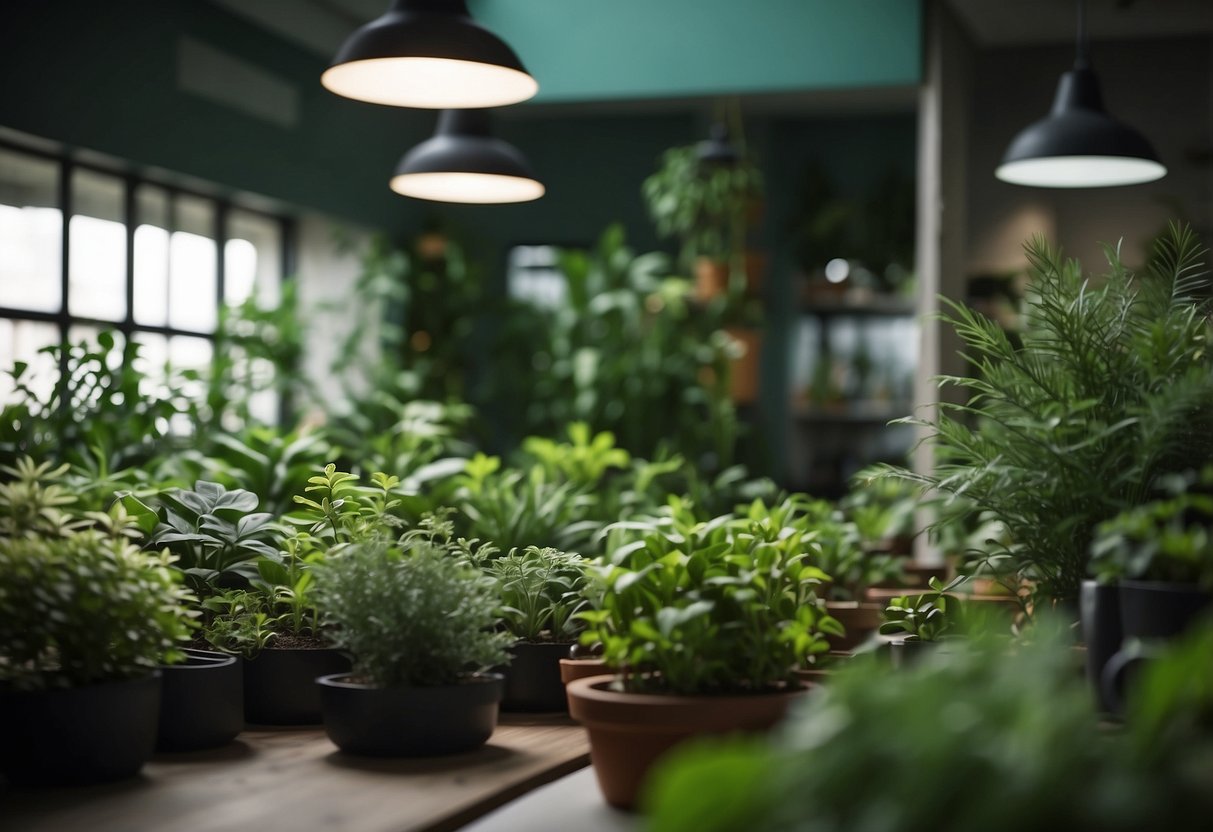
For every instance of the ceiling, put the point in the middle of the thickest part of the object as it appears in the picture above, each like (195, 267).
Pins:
(1022, 22)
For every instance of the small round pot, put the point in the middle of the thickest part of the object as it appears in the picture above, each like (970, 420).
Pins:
(280, 684)
(629, 732)
(202, 702)
(410, 722)
(859, 619)
(571, 669)
(76, 736)
(905, 654)
(532, 680)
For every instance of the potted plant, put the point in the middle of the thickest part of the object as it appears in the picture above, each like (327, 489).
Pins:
(1109, 388)
(951, 746)
(705, 623)
(421, 629)
(921, 621)
(86, 618)
(1159, 558)
(541, 590)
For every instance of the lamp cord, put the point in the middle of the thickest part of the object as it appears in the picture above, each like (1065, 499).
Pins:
(1080, 47)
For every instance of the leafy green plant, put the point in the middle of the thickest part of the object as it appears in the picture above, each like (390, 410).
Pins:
(1169, 539)
(411, 616)
(102, 409)
(337, 508)
(956, 743)
(584, 459)
(924, 617)
(1111, 389)
(726, 605)
(271, 463)
(217, 535)
(518, 508)
(881, 508)
(80, 606)
(703, 206)
(237, 622)
(35, 501)
(541, 592)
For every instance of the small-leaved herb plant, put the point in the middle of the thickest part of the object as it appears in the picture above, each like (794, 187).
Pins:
(410, 616)
(722, 606)
(541, 592)
(926, 617)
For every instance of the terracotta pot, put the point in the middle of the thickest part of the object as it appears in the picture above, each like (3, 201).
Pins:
(745, 375)
(571, 669)
(630, 732)
(711, 278)
(860, 619)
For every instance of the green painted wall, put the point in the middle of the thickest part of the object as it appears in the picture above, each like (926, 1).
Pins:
(603, 49)
(103, 76)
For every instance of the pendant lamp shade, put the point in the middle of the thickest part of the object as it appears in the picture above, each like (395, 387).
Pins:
(463, 162)
(1078, 144)
(429, 54)
(717, 149)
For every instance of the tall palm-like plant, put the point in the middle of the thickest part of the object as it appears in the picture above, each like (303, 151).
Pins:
(1111, 387)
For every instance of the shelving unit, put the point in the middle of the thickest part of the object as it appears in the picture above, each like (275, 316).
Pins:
(852, 366)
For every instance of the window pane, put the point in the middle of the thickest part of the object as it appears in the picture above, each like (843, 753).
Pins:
(151, 256)
(97, 271)
(192, 266)
(252, 259)
(31, 232)
(153, 353)
(20, 341)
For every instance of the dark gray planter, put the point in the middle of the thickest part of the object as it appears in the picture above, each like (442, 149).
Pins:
(410, 722)
(280, 684)
(532, 680)
(77, 736)
(1101, 631)
(202, 702)
(1154, 610)
(905, 654)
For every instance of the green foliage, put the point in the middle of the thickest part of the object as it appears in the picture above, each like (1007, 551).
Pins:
(517, 508)
(216, 535)
(541, 590)
(102, 412)
(271, 463)
(80, 606)
(1112, 388)
(882, 508)
(625, 352)
(584, 460)
(34, 500)
(703, 206)
(1169, 539)
(337, 508)
(978, 738)
(924, 617)
(411, 616)
(237, 622)
(726, 605)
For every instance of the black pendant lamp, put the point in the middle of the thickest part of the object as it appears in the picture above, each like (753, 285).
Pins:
(463, 162)
(430, 54)
(1078, 145)
(716, 149)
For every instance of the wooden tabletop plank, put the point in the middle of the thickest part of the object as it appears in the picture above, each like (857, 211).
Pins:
(297, 780)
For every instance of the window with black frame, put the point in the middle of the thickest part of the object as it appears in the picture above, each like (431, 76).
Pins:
(83, 249)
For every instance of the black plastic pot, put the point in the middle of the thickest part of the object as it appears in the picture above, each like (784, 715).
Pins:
(1101, 630)
(1151, 610)
(410, 722)
(532, 680)
(904, 654)
(76, 736)
(280, 684)
(202, 702)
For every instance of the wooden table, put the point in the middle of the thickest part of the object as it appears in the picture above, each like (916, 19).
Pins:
(270, 780)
